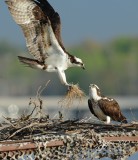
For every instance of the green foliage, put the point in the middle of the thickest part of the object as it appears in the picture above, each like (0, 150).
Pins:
(112, 66)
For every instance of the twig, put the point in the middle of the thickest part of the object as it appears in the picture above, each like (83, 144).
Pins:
(8, 121)
(38, 99)
(29, 126)
(41, 90)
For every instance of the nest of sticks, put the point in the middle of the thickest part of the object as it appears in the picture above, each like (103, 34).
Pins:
(23, 128)
(80, 139)
(28, 125)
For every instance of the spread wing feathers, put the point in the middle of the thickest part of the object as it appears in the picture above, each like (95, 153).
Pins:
(36, 27)
(111, 108)
(90, 104)
(54, 19)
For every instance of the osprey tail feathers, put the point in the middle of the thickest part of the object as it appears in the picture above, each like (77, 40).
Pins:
(124, 119)
(31, 62)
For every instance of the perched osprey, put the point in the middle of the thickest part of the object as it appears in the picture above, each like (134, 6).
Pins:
(104, 108)
(42, 30)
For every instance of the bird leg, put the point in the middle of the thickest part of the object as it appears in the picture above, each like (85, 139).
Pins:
(108, 120)
(74, 92)
(62, 77)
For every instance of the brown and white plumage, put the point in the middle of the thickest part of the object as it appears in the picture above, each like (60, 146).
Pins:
(42, 30)
(104, 108)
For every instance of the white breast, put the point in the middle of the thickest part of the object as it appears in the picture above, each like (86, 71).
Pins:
(56, 60)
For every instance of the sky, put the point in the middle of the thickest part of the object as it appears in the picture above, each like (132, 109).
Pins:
(99, 20)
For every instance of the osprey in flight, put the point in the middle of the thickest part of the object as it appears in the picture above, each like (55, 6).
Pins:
(104, 108)
(42, 30)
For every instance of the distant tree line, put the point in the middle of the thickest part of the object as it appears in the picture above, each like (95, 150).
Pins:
(112, 66)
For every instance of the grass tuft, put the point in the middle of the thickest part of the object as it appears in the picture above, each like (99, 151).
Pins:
(74, 92)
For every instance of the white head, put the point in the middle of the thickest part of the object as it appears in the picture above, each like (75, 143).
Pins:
(76, 62)
(94, 92)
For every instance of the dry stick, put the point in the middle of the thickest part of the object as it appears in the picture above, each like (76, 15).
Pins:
(5, 126)
(28, 116)
(38, 96)
(39, 91)
(19, 130)
(29, 126)
(8, 121)
(81, 126)
(32, 111)
(24, 118)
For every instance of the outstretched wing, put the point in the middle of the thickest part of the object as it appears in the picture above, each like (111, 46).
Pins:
(36, 26)
(90, 104)
(111, 108)
(53, 17)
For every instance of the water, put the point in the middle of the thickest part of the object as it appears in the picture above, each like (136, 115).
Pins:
(14, 106)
